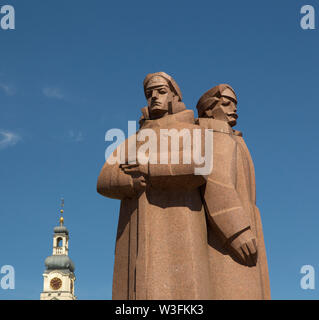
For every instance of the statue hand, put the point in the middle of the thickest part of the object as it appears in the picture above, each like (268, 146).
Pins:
(139, 184)
(135, 169)
(138, 174)
(245, 247)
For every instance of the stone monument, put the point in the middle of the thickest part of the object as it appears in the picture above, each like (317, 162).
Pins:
(237, 257)
(182, 234)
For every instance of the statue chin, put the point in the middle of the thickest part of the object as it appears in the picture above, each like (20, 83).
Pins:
(232, 123)
(157, 112)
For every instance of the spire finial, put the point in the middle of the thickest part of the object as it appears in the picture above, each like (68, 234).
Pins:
(61, 211)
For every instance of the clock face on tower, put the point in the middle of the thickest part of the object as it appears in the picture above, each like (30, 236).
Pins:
(56, 283)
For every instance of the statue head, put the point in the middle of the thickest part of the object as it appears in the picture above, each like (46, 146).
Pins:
(160, 91)
(219, 103)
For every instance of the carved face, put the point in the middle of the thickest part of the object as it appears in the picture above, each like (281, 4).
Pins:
(225, 109)
(158, 94)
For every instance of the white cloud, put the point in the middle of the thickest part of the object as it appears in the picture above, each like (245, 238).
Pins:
(8, 139)
(9, 90)
(52, 92)
(75, 136)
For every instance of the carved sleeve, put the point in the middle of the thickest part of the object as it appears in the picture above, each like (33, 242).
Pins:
(221, 199)
(114, 183)
(175, 176)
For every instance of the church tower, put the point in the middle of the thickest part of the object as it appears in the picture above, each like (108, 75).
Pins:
(58, 278)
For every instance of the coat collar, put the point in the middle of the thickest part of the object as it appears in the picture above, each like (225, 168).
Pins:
(186, 116)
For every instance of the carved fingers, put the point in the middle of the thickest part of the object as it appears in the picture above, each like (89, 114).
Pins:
(139, 184)
(138, 175)
(249, 250)
(245, 247)
(130, 168)
(134, 169)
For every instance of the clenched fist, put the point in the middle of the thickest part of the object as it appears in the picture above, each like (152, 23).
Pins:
(245, 248)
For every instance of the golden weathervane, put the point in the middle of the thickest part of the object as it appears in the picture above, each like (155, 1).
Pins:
(61, 211)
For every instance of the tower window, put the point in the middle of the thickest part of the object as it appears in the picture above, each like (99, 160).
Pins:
(59, 242)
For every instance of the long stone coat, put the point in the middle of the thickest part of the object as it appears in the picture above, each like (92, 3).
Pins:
(170, 238)
(229, 197)
(161, 245)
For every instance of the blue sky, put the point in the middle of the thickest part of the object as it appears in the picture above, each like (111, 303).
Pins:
(74, 69)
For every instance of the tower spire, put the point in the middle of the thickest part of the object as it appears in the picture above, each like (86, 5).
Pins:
(62, 211)
(58, 277)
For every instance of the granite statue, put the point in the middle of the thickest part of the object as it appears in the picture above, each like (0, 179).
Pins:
(184, 235)
(237, 257)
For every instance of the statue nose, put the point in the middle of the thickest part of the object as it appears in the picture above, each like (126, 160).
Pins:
(154, 94)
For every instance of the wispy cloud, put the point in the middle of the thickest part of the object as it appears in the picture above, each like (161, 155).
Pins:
(8, 89)
(53, 92)
(8, 139)
(75, 136)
